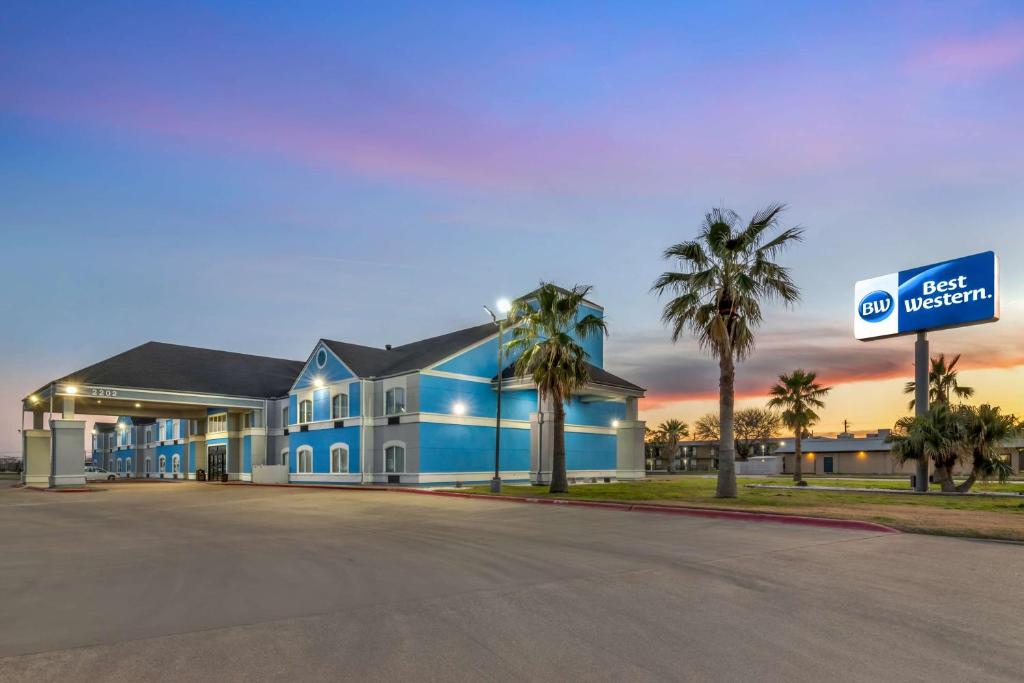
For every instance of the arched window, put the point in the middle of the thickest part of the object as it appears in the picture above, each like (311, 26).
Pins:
(283, 460)
(149, 465)
(176, 463)
(304, 459)
(120, 465)
(305, 411)
(339, 458)
(339, 406)
(163, 463)
(394, 400)
(394, 456)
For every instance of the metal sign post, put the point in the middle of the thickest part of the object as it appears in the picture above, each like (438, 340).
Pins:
(921, 361)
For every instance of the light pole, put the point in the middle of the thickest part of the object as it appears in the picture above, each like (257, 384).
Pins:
(502, 306)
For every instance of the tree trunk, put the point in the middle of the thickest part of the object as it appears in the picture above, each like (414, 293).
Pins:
(559, 479)
(798, 458)
(968, 483)
(945, 473)
(670, 457)
(726, 400)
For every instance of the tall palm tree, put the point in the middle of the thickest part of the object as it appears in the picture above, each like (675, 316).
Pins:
(669, 434)
(942, 381)
(797, 395)
(724, 276)
(545, 330)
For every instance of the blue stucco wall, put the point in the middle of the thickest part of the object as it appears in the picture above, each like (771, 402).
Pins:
(334, 371)
(169, 452)
(598, 414)
(321, 404)
(354, 394)
(247, 454)
(321, 440)
(464, 448)
(440, 394)
(293, 409)
(593, 345)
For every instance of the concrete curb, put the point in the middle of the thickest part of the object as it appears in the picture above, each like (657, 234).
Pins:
(75, 489)
(714, 513)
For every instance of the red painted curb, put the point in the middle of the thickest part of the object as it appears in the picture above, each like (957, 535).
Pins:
(851, 524)
(48, 490)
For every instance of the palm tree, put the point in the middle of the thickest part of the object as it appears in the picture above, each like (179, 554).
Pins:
(942, 381)
(724, 276)
(985, 428)
(937, 435)
(797, 395)
(669, 434)
(545, 330)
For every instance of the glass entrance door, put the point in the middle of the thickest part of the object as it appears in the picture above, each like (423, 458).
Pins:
(217, 456)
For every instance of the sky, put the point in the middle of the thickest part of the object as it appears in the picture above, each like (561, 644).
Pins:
(253, 177)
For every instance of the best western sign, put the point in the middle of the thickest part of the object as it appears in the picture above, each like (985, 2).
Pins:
(964, 291)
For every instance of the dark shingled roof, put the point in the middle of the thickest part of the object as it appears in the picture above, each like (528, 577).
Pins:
(597, 376)
(170, 367)
(367, 361)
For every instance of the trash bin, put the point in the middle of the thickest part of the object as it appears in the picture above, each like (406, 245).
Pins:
(224, 478)
(200, 475)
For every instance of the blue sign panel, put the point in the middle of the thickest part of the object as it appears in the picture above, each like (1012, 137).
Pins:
(964, 291)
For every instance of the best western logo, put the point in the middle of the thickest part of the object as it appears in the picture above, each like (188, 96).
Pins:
(939, 293)
(876, 306)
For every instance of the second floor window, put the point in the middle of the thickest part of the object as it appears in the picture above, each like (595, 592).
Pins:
(339, 406)
(394, 401)
(284, 416)
(217, 423)
(305, 411)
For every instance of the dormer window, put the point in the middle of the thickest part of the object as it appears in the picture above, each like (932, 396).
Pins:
(394, 401)
(305, 411)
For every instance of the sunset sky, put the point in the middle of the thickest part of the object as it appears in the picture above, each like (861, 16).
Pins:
(253, 179)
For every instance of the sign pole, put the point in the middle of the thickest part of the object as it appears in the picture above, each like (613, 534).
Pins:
(921, 362)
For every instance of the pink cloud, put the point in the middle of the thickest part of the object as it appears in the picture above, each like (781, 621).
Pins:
(965, 59)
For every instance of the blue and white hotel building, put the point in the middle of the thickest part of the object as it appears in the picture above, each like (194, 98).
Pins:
(422, 413)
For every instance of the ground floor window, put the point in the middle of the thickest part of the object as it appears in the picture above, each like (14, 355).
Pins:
(283, 459)
(163, 463)
(176, 463)
(394, 457)
(149, 465)
(304, 459)
(339, 458)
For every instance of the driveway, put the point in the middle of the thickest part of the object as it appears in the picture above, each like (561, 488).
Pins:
(188, 581)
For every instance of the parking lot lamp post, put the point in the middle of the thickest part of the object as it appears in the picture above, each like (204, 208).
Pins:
(503, 306)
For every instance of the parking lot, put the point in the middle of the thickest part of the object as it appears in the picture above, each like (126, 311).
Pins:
(188, 581)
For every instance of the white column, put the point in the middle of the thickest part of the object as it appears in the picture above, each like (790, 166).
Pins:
(630, 459)
(67, 461)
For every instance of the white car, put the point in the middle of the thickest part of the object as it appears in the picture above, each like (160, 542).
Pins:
(93, 473)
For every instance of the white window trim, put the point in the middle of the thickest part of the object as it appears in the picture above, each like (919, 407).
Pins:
(348, 463)
(176, 463)
(162, 463)
(384, 456)
(298, 459)
(298, 410)
(348, 405)
(283, 457)
(405, 401)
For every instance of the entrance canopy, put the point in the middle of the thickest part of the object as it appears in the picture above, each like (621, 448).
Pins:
(169, 381)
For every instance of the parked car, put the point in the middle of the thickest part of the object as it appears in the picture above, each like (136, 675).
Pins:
(93, 473)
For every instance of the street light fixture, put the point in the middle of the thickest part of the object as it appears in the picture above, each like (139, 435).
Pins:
(503, 306)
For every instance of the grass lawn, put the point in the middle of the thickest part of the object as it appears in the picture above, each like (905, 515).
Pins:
(1000, 518)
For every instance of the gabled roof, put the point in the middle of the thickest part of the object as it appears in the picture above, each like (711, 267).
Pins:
(368, 361)
(597, 376)
(170, 367)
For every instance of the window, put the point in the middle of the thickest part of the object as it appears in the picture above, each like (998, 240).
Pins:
(149, 465)
(120, 465)
(247, 421)
(176, 463)
(339, 406)
(284, 458)
(305, 411)
(304, 459)
(394, 400)
(321, 358)
(339, 458)
(217, 423)
(394, 457)
(284, 416)
(163, 463)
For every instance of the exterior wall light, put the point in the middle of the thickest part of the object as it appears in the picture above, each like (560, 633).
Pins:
(71, 390)
(318, 383)
(138, 405)
(459, 408)
(615, 424)
(33, 398)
